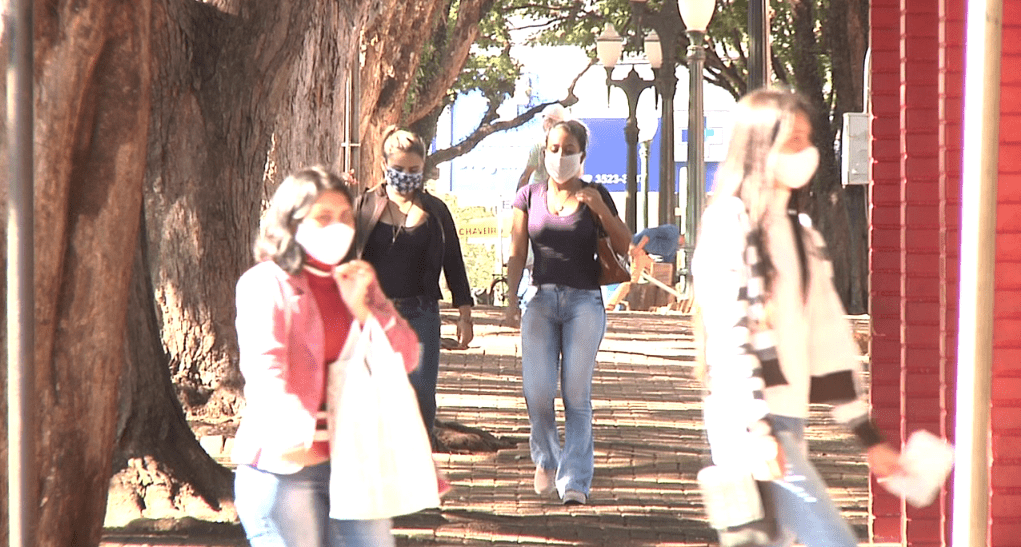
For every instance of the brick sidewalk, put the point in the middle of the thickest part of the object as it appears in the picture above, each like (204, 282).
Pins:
(648, 446)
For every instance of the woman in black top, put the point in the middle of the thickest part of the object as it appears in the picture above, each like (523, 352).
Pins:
(408, 235)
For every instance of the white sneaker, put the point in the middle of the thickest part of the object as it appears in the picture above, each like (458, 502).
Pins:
(544, 484)
(574, 497)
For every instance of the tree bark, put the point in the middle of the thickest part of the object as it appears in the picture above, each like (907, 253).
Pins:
(826, 203)
(393, 49)
(91, 104)
(393, 56)
(243, 93)
(247, 92)
(162, 469)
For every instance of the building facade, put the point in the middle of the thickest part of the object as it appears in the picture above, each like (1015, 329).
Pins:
(918, 52)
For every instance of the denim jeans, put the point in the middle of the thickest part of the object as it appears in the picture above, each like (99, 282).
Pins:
(423, 314)
(293, 511)
(561, 329)
(525, 288)
(805, 508)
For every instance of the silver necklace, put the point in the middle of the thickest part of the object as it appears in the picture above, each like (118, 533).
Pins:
(398, 226)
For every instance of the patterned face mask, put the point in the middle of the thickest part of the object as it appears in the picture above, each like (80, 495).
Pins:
(404, 183)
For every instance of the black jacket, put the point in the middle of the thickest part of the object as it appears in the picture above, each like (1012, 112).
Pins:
(444, 248)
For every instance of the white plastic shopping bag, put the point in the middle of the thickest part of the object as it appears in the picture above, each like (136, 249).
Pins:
(381, 458)
(926, 460)
(738, 508)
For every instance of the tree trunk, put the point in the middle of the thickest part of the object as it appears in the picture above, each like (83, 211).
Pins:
(846, 37)
(91, 108)
(246, 93)
(394, 87)
(243, 94)
(826, 204)
(162, 469)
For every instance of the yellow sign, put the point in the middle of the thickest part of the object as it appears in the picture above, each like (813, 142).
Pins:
(488, 227)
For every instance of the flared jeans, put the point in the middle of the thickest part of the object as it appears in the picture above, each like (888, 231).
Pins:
(561, 329)
(804, 506)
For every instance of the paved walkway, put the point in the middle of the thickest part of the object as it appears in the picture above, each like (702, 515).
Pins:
(648, 447)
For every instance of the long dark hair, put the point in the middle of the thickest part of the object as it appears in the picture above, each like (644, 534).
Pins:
(762, 122)
(290, 204)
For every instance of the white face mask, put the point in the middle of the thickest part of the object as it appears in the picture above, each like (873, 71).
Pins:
(562, 167)
(795, 170)
(327, 244)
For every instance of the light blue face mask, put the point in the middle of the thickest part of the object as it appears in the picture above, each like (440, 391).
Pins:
(404, 183)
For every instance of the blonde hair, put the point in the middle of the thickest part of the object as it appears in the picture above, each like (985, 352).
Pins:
(396, 139)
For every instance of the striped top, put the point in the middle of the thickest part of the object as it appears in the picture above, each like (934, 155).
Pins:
(775, 353)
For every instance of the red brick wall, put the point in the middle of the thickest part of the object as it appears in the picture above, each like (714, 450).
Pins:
(1005, 475)
(917, 135)
(886, 259)
(916, 96)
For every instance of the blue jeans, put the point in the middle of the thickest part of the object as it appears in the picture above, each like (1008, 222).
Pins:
(423, 314)
(804, 507)
(561, 329)
(523, 287)
(293, 511)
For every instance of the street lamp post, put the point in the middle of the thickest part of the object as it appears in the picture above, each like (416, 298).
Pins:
(661, 49)
(609, 48)
(758, 44)
(696, 15)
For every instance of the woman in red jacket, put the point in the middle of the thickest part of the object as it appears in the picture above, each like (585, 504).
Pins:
(298, 310)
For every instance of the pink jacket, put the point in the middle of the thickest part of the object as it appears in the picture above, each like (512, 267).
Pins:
(280, 339)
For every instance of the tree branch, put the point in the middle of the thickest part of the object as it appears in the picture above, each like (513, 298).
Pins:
(488, 126)
(455, 53)
(726, 75)
(779, 70)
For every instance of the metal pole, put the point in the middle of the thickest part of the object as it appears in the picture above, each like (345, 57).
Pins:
(758, 50)
(20, 273)
(643, 154)
(696, 138)
(632, 85)
(348, 106)
(978, 262)
(351, 145)
(667, 24)
(667, 165)
(631, 137)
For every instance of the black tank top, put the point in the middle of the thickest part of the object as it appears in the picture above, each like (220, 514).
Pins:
(400, 261)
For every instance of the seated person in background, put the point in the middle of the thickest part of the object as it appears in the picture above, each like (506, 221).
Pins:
(662, 242)
(657, 244)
